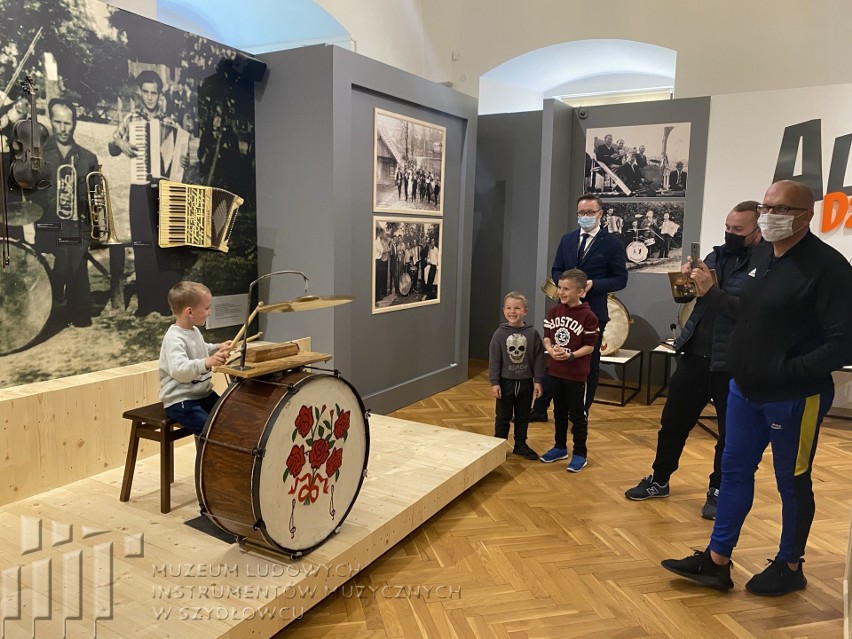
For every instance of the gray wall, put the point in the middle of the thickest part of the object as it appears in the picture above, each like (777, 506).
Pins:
(314, 174)
(506, 210)
(529, 175)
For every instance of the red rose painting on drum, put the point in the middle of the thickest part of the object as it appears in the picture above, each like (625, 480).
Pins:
(319, 453)
(341, 425)
(305, 421)
(334, 462)
(296, 460)
(321, 427)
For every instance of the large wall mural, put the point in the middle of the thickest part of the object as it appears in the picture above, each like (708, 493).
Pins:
(97, 105)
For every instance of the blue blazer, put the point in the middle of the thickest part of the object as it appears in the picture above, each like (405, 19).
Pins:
(605, 263)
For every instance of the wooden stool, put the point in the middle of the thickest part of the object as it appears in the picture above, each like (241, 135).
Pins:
(151, 422)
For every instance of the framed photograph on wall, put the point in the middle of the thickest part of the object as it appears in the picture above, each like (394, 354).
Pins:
(408, 175)
(407, 266)
(652, 232)
(648, 160)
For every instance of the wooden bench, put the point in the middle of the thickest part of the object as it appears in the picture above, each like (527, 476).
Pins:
(151, 422)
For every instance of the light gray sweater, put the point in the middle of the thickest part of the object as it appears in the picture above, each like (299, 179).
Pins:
(183, 374)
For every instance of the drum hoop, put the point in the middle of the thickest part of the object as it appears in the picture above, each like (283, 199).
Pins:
(257, 465)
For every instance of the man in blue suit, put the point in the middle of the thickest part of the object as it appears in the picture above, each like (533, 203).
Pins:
(601, 256)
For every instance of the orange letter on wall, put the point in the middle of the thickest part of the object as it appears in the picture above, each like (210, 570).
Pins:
(834, 207)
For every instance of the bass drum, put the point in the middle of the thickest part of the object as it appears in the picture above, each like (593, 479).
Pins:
(616, 330)
(637, 252)
(282, 459)
(27, 297)
(404, 284)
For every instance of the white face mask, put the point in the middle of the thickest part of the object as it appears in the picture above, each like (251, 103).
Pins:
(775, 227)
(587, 222)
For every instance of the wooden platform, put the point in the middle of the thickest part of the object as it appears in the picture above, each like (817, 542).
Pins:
(84, 564)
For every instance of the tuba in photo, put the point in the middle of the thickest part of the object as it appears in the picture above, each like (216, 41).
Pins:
(66, 191)
(100, 209)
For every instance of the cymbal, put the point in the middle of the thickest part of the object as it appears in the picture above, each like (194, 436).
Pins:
(22, 213)
(305, 303)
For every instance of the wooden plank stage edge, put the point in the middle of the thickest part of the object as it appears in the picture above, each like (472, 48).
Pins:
(166, 579)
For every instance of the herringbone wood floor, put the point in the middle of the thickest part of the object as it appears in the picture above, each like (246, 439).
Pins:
(535, 551)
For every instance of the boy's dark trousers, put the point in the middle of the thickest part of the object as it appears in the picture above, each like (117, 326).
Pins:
(516, 397)
(568, 401)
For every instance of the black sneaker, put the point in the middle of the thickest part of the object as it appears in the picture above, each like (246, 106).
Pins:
(647, 489)
(708, 510)
(525, 451)
(536, 416)
(777, 579)
(700, 568)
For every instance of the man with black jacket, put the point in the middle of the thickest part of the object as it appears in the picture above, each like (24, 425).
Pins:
(792, 330)
(702, 368)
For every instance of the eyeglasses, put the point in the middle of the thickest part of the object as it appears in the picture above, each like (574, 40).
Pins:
(780, 209)
(581, 213)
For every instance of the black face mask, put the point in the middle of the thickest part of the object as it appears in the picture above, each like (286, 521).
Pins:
(735, 243)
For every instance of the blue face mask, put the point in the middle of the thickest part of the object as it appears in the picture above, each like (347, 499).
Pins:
(587, 222)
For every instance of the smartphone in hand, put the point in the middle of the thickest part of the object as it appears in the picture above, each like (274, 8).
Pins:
(695, 253)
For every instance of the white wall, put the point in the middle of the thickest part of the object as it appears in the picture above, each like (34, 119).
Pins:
(145, 8)
(725, 46)
(744, 138)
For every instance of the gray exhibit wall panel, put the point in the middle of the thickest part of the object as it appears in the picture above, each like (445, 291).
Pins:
(529, 175)
(506, 210)
(315, 163)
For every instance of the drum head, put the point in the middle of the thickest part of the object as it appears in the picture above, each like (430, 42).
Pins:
(315, 457)
(27, 297)
(616, 330)
(637, 252)
(404, 284)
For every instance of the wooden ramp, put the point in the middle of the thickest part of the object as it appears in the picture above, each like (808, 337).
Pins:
(76, 562)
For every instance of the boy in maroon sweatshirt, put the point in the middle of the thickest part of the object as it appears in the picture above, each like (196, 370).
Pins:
(570, 334)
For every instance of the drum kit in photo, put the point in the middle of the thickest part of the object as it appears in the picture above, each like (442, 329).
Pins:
(284, 452)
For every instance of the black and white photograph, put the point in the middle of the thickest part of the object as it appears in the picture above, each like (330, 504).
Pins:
(652, 233)
(408, 176)
(650, 160)
(407, 263)
(120, 102)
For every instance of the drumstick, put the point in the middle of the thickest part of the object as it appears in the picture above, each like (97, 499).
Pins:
(245, 326)
(236, 348)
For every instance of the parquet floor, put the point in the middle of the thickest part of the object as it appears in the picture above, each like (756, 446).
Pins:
(535, 551)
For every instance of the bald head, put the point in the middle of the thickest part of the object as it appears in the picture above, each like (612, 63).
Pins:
(791, 193)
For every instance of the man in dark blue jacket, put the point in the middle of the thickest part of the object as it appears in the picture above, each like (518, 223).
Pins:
(601, 256)
(792, 330)
(702, 368)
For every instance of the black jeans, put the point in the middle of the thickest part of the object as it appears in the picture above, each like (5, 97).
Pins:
(568, 397)
(692, 386)
(541, 404)
(515, 398)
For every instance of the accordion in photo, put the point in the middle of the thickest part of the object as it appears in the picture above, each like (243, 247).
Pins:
(193, 215)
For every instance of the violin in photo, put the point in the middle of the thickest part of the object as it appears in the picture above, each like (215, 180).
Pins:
(29, 170)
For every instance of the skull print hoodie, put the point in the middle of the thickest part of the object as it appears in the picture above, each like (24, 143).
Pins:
(515, 353)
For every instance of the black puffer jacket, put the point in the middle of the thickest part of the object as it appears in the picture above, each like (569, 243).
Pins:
(724, 297)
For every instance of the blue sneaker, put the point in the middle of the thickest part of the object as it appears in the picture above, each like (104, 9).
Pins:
(577, 464)
(554, 454)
